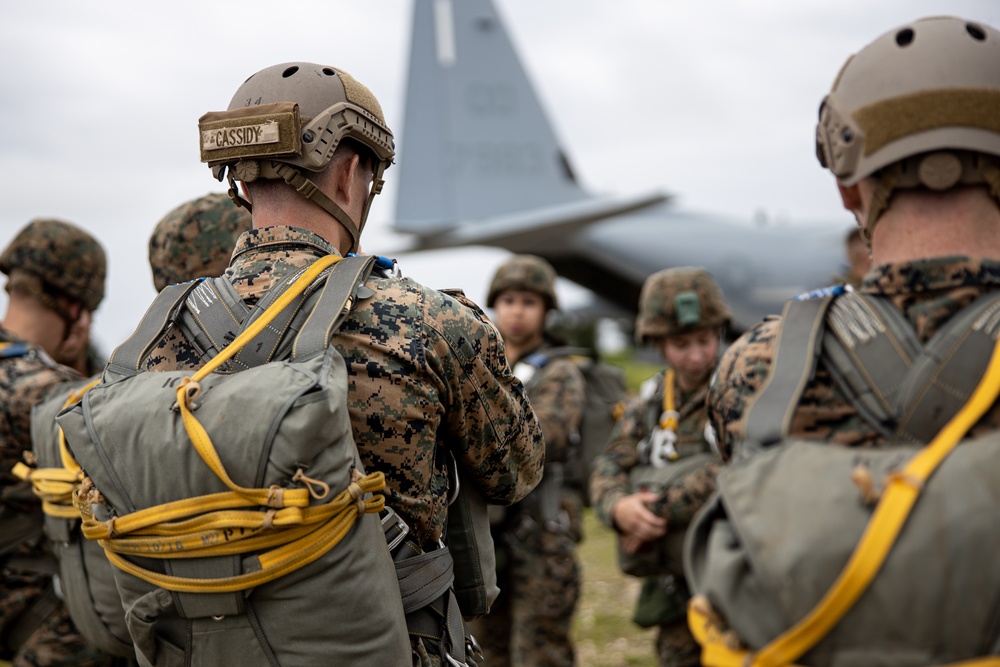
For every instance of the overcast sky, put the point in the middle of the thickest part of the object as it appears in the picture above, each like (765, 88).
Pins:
(99, 104)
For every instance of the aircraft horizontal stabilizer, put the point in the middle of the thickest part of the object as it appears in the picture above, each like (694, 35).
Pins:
(530, 230)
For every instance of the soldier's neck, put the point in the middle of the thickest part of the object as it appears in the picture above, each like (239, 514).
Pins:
(920, 225)
(32, 322)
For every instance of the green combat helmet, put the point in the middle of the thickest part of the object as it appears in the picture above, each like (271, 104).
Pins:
(679, 300)
(528, 273)
(196, 239)
(916, 108)
(67, 260)
(286, 121)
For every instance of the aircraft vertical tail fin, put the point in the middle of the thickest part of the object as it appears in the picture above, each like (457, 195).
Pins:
(476, 141)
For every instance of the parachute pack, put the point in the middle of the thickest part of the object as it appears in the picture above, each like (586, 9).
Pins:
(825, 555)
(605, 393)
(86, 578)
(231, 501)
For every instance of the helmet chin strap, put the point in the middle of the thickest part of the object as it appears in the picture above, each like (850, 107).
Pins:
(310, 191)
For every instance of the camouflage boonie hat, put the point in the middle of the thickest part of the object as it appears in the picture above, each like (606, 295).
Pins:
(65, 258)
(196, 239)
(677, 301)
(528, 273)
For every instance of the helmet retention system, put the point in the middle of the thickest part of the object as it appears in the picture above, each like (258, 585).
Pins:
(288, 120)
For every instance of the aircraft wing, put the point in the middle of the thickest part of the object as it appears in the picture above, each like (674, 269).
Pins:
(527, 231)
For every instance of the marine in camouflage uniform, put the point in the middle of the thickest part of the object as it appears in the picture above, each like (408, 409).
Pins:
(926, 200)
(678, 307)
(196, 239)
(62, 269)
(426, 369)
(537, 568)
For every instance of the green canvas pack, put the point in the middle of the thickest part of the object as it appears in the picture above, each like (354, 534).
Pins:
(86, 578)
(783, 530)
(664, 556)
(324, 590)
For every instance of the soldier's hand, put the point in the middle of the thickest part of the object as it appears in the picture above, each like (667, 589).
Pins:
(632, 517)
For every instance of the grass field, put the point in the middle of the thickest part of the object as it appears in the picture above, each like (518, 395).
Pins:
(603, 630)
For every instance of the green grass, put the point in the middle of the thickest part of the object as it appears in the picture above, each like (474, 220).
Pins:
(603, 631)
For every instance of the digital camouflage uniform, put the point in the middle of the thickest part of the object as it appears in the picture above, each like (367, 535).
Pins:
(196, 239)
(537, 568)
(929, 292)
(672, 302)
(609, 484)
(69, 263)
(427, 375)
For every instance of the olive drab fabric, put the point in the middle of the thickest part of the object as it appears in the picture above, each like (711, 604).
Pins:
(679, 300)
(794, 510)
(773, 510)
(85, 575)
(196, 239)
(292, 439)
(67, 259)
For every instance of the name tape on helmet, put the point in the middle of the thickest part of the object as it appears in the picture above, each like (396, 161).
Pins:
(263, 131)
(244, 135)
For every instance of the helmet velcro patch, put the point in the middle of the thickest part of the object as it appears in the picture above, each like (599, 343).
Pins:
(265, 131)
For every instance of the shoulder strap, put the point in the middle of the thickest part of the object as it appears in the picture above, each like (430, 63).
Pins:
(159, 317)
(904, 389)
(769, 417)
(334, 304)
(212, 315)
(868, 348)
(946, 373)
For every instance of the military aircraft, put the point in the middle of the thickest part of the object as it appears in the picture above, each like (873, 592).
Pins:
(491, 172)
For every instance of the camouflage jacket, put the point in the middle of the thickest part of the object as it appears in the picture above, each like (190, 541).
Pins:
(427, 374)
(557, 394)
(928, 292)
(24, 380)
(609, 481)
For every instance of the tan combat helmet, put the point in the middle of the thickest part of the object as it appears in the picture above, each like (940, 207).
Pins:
(916, 108)
(677, 301)
(196, 239)
(52, 258)
(286, 121)
(528, 273)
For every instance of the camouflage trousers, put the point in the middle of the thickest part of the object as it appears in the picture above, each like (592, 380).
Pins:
(676, 646)
(56, 642)
(529, 624)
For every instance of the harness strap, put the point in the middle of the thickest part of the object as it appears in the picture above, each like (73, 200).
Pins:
(769, 418)
(905, 390)
(212, 315)
(216, 320)
(432, 612)
(159, 317)
(335, 302)
(944, 376)
(868, 348)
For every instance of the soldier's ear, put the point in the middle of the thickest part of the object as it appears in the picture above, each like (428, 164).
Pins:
(246, 192)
